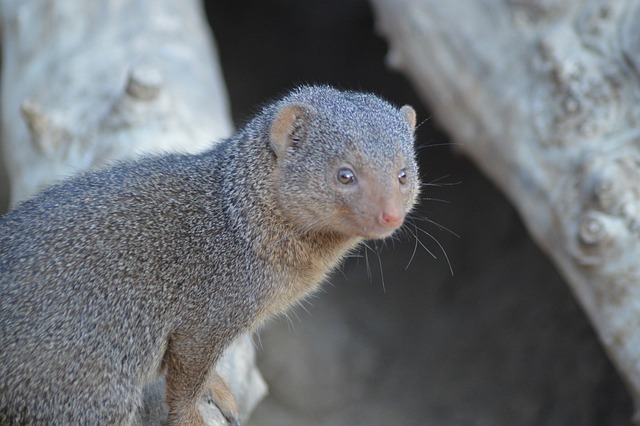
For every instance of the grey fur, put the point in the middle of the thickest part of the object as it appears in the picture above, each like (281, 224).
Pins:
(104, 276)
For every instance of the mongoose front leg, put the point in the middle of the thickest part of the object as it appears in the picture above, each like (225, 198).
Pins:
(188, 362)
(223, 398)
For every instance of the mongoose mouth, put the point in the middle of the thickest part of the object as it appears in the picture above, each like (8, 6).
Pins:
(379, 230)
(378, 234)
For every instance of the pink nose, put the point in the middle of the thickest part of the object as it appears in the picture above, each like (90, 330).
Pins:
(391, 218)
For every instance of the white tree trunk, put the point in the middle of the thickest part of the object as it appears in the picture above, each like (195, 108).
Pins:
(87, 82)
(544, 96)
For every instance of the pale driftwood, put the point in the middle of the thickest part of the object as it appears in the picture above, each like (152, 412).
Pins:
(88, 82)
(85, 82)
(544, 96)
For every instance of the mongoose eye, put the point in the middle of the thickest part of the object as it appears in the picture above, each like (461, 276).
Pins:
(346, 176)
(402, 177)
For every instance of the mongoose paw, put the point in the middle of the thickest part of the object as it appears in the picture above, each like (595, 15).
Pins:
(224, 399)
(234, 421)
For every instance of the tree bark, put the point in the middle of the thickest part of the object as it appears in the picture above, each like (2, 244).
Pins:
(85, 83)
(543, 96)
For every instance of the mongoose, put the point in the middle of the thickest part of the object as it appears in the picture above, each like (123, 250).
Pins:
(154, 266)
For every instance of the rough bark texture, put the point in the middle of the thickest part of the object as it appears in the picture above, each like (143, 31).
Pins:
(88, 82)
(543, 96)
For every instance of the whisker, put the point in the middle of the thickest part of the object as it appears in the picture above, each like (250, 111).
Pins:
(437, 182)
(341, 270)
(415, 249)
(436, 145)
(433, 222)
(441, 248)
(354, 256)
(434, 199)
(420, 242)
(439, 179)
(422, 122)
(393, 242)
(366, 260)
(384, 289)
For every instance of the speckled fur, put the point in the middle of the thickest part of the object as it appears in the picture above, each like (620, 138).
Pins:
(110, 278)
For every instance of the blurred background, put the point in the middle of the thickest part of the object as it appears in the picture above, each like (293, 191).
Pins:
(404, 334)
(396, 338)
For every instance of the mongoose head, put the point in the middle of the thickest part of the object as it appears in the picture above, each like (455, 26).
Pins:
(345, 162)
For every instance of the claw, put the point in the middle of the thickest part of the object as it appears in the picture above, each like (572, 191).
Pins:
(233, 421)
(223, 398)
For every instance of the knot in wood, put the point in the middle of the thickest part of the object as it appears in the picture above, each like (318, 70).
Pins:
(592, 230)
(144, 83)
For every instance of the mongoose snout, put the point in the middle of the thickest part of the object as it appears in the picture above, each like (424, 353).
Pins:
(391, 217)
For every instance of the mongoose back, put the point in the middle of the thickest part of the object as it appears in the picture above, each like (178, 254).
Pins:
(154, 266)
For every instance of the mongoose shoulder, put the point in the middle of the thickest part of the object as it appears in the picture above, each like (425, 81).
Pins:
(154, 266)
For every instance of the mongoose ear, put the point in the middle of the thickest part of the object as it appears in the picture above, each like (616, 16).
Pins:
(288, 127)
(410, 115)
